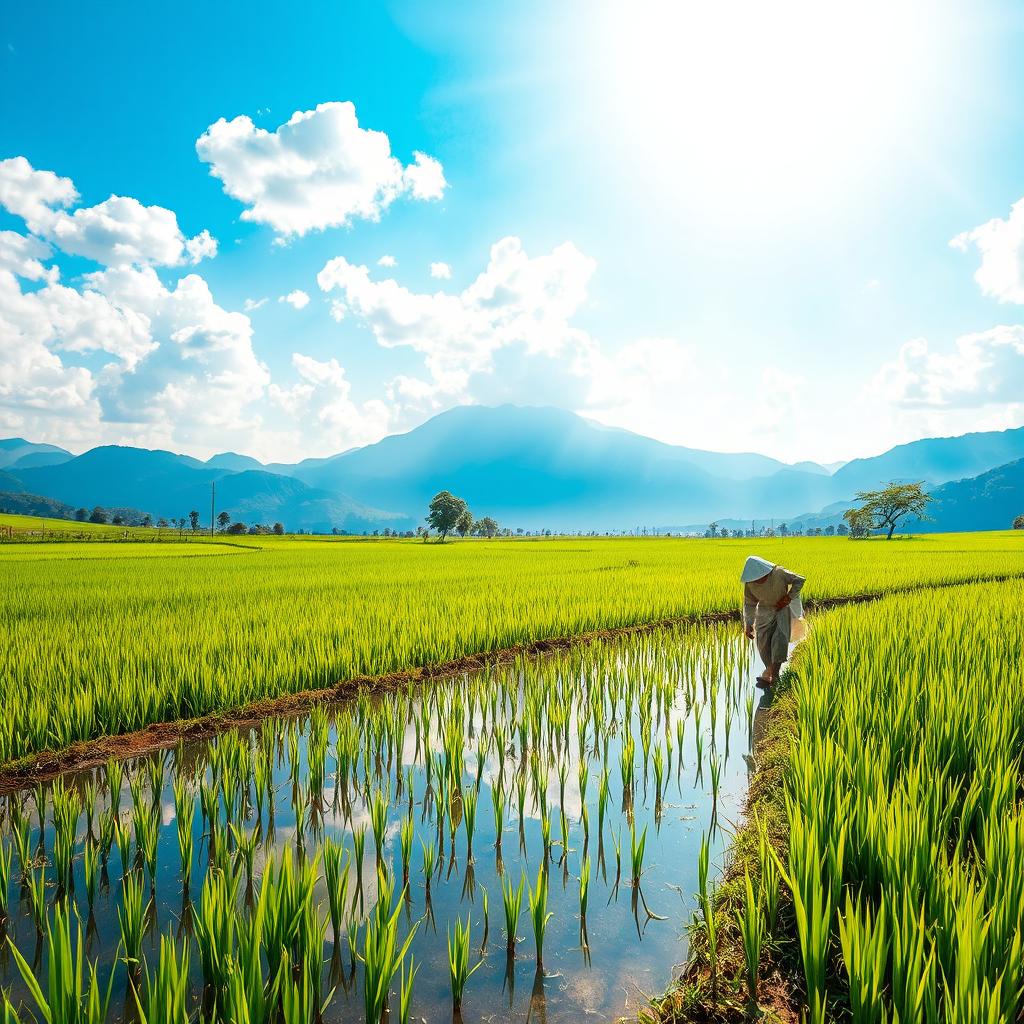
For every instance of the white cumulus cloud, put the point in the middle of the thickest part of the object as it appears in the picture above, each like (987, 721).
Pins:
(1001, 245)
(981, 369)
(319, 169)
(23, 256)
(322, 398)
(120, 231)
(297, 299)
(441, 271)
(518, 300)
(387, 261)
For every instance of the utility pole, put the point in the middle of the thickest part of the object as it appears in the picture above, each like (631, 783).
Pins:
(213, 495)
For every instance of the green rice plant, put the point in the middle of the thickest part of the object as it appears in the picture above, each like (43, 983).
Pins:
(584, 899)
(706, 899)
(636, 853)
(214, 922)
(165, 990)
(512, 899)
(865, 946)
(6, 858)
(750, 922)
(91, 870)
(123, 833)
(336, 865)
(659, 774)
(812, 905)
(603, 788)
(769, 884)
(131, 916)
(405, 836)
(21, 830)
(108, 831)
(382, 954)
(73, 994)
(184, 821)
(246, 844)
(379, 821)
(147, 837)
(459, 971)
(498, 806)
(469, 803)
(537, 899)
(406, 982)
(359, 845)
(35, 881)
(429, 860)
(114, 771)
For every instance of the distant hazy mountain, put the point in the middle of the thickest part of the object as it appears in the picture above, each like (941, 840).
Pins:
(935, 460)
(527, 467)
(16, 451)
(543, 467)
(172, 485)
(234, 462)
(989, 501)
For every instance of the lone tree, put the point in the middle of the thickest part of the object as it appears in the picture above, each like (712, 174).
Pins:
(193, 517)
(883, 509)
(486, 527)
(1018, 523)
(224, 520)
(445, 512)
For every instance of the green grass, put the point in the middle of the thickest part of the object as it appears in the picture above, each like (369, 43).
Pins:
(105, 639)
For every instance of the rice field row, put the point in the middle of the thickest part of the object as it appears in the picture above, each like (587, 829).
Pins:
(110, 641)
(905, 860)
(520, 842)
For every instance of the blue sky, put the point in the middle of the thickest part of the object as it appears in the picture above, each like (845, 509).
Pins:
(726, 226)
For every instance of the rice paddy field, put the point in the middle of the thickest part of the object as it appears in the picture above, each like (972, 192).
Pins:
(540, 838)
(106, 639)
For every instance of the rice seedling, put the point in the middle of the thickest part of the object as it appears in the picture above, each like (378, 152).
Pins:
(164, 990)
(6, 858)
(246, 844)
(584, 899)
(537, 898)
(512, 899)
(91, 869)
(131, 916)
(498, 806)
(379, 821)
(336, 864)
(459, 971)
(359, 845)
(706, 900)
(750, 922)
(407, 979)
(36, 883)
(73, 994)
(429, 860)
(147, 838)
(636, 853)
(382, 954)
(469, 799)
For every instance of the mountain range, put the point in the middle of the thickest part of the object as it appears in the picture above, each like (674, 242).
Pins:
(527, 467)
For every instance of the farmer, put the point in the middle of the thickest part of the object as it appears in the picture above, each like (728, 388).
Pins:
(768, 591)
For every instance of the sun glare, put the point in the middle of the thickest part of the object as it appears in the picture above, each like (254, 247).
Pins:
(764, 102)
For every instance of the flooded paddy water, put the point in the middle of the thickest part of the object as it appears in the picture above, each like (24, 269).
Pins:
(293, 861)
